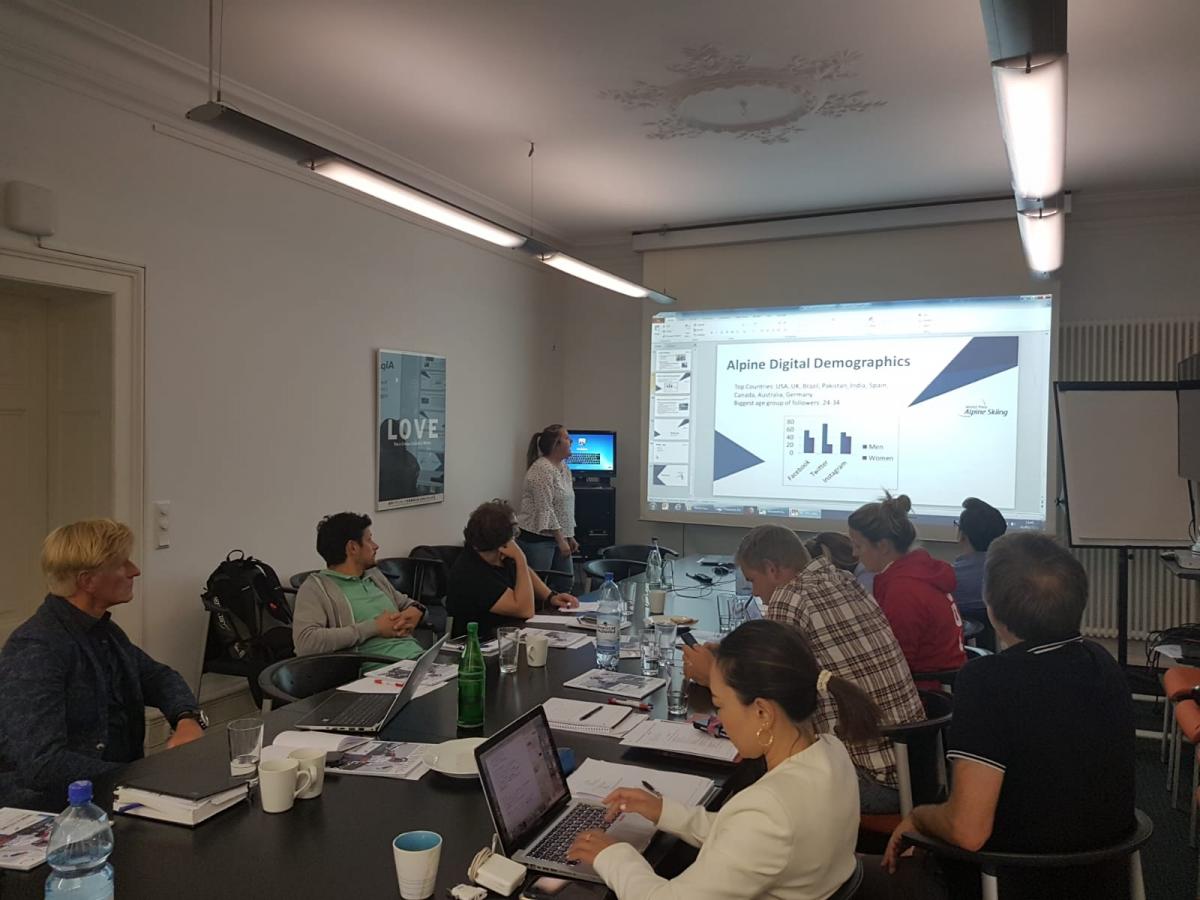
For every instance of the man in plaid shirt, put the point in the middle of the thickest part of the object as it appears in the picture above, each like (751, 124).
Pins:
(848, 634)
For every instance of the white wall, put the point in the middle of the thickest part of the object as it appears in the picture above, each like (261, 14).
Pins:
(1128, 256)
(265, 301)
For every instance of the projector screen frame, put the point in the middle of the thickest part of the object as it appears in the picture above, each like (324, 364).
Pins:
(926, 532)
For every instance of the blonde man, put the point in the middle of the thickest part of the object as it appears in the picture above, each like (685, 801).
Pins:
(75, 687)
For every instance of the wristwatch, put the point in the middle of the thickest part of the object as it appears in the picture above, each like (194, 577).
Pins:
(196, 715)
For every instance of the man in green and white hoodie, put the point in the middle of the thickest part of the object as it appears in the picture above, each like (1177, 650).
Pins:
(350, 605)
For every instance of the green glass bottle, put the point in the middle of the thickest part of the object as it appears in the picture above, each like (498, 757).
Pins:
(471, 678)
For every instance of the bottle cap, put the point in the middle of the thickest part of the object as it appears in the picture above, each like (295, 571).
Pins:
(608, 576)
(79, 793)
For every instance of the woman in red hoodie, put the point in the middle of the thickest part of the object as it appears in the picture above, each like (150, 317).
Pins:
(912, 588)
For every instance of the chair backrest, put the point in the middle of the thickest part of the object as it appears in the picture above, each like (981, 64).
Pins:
(420, 577)
(947, 677)
(639, 552)
(920, 756)
(302, 676)
(620, 569)
(851, 885)
(300, 577)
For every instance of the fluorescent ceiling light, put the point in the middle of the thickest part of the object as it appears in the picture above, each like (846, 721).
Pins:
(579, 269)
(416, 202)
(1043, 237)
(1031, 93)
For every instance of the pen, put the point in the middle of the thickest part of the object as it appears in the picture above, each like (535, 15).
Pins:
(651, 788)
(591, 712)
(632, 704)
(719, 731)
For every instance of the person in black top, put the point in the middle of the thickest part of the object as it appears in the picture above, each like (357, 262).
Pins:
(73, 687)
(490, 582)
(1042, 740)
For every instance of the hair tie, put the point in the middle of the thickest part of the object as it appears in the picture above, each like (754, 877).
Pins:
(823, 681)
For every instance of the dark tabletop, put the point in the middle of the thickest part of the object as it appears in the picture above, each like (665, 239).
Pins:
(339, 843)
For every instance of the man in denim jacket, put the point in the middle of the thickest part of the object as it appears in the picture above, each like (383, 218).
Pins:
(73, 687)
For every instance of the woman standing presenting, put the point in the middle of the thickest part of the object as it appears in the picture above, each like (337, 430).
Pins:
(547, 516)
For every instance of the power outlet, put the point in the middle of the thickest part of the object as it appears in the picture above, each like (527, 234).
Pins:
(162, 524)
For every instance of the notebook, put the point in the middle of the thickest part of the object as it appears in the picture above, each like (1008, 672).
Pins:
(178, 810)
(591, 718)
(680, 738)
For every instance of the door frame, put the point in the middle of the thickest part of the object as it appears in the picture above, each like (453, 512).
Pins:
(124, 285)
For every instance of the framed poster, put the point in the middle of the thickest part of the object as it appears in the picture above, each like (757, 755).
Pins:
(410, 463)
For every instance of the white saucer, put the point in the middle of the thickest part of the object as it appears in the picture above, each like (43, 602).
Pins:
(454, 759)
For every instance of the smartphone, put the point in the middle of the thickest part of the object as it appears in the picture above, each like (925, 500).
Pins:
(688, 638)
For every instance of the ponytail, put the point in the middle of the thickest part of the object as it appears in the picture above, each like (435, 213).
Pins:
(858, 715)
(541, 443)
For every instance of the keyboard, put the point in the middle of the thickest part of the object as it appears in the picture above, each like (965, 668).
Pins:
(554, 846)
(363, 712)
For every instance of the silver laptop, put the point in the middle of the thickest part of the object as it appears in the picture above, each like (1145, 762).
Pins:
(368, 713)
(533, 811)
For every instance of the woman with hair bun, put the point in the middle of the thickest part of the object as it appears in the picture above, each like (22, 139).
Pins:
(791, 834)
(912, 588)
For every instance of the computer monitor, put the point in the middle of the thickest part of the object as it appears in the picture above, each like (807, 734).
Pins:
(593, 453)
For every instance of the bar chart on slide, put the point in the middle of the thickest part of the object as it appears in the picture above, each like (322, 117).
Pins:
(820, 452)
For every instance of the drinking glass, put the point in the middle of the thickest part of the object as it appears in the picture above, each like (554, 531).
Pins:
(677, 687)
(630, 590)
(509, 639)
(649, 651)
(664, 636)
(726, 611)
(245, 746)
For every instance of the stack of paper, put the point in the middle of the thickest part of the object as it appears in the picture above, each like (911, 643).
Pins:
(385, 759)
(562, 640)
(392, 679)
(680, 738)
(591, 718)
(489, 648)
(622, 684)
(180, 810)
(287, 741)
(24, 836)
(596, 779)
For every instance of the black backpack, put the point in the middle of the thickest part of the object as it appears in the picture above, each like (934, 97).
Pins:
(251, 618)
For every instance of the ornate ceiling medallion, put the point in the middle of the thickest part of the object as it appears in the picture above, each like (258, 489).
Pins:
(723, 94)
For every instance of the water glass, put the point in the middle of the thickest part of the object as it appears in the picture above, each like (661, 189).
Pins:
(509, 639)
(631, 588)
(664, 637)
(730, 613)
(677, 688)
(245, 746)
(649, 652)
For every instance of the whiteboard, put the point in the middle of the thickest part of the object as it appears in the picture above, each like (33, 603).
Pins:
(1119, 450)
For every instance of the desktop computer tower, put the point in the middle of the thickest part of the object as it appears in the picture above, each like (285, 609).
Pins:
(595, 518)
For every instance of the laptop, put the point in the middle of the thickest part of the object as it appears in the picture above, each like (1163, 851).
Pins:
(368, 713)
(535, 816)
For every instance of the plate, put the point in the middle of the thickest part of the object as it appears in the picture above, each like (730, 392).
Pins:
(673, 620)
(454, 759)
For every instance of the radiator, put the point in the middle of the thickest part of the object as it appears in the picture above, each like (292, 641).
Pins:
(1144, 350)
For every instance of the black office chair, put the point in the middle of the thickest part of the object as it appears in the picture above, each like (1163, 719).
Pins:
(620, 569)
(851, 885)
(946, 677)
(992, 864)
(423, 579)
(302, 676)
(299, 578)
(639, 552)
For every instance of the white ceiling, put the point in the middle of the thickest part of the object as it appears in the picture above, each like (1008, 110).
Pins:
(461, 86)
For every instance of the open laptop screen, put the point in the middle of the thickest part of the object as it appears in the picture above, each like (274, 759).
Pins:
(522, 778)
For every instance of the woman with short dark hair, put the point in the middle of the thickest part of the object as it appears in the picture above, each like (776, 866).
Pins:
(791, 834)
(491, 582)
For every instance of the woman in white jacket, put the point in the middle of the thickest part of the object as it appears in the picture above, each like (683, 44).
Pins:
(791, 834)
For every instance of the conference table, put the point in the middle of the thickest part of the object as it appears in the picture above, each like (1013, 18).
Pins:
(339, 844)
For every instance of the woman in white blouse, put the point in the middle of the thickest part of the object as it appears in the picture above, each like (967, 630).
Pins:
(547, 516)
(791, 834)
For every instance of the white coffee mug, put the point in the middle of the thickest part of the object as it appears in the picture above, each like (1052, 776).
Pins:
(312, 762)
(280, 781)
(417, 854)
(658, 602)
(537, 647)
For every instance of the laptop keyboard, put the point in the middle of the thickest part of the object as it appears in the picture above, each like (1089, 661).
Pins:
(363, 712)
(554, 846)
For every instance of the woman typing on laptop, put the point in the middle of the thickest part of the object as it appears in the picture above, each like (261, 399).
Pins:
(791, 834)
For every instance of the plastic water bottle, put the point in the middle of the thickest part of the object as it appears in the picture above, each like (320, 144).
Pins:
(608, 625)
(654, 567)
(471, 679)
(81, 842)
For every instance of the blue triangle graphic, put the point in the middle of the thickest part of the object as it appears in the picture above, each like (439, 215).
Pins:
(981, 358)
(729, 457)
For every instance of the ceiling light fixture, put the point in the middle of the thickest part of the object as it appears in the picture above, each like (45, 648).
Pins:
(1027, 42)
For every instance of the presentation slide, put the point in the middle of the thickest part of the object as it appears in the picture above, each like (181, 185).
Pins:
(808, 412)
